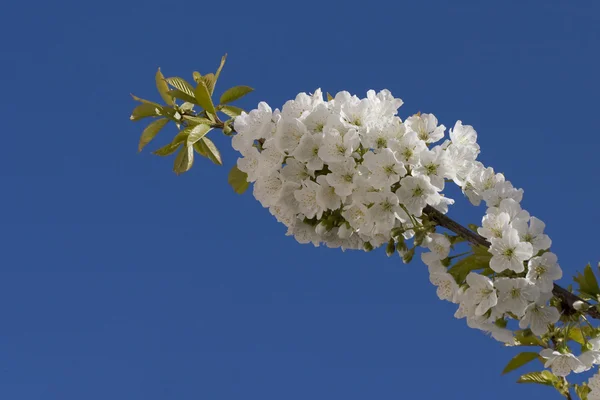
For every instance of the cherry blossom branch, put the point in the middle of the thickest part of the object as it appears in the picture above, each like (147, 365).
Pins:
(567, 298)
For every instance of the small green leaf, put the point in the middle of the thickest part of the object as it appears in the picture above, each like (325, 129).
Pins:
(461, 269)
(473, 227)
(218, 73)
(231, 111)
(588, 285)
(197, 133)
(184, 160)
(163, 88)
(582, 391)
(150, 132)
(145, 101)
(197, 76)
(203, 98)
(329, 97)
(181, 84)
(542, 378)
(519, 360)
(197, 120)
(207, 148)
(145, 110)
(182, 135)
(238, 180)
(235, 93)
(178, 94)
(167, 150)
(527, 338)
(210, 81)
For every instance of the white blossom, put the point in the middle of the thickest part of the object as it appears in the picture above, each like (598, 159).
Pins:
(561, 364)
(542, 271)
(508, 252)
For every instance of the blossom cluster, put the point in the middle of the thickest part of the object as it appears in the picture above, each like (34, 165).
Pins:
(348, 171)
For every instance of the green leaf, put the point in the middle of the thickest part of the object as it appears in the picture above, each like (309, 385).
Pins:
(210, 81)
(167, 150)
(178, 94)
(542, 378)
(230, 111)
(329, 97)
(145, 110)
(207, 148)
(582, 391)
(235, 93)
(588, 285)
(218, 73)
(473, 227)
(145, 101)
(527, 338)
(182, 135)
(579, 334)
(197, 120)
(150, 132)
(197, 133)
(461, 269)
(197, 76)
(181, 84)
(184, 160)
(163, 88)
(519, 360)
(203, 98)
(238, 180)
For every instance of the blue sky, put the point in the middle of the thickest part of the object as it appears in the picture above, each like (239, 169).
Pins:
(121, 280)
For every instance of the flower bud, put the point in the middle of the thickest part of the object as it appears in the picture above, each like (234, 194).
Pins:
(581, 306)
(321, 229)
(408, 255)
(391, 248)
(344, 232)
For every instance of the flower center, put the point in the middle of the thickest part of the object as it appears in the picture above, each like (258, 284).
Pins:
(509, 253)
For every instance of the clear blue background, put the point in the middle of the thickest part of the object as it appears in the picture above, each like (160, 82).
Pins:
(120, 280)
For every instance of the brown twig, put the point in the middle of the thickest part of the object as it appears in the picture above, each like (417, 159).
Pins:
(567, 298)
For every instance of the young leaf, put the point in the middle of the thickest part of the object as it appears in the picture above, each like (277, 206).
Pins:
(329, 97)
(519, 360)
(197, 76)
(197, 133)
(588, 285)
(235, 93)
(145, 101)
(218, 73)
(145, 110)
(178, 94)
(210, 81)
(181, 84)
(582, 391)
(542, 378)
(167, 150)
(197, 120)
(182, 135)
(461, 269)
(230, 111)
(150, 132)
(203, 98)
(163, 88)
(527, 338)
(184, 160)
(238, 180)
(207, 148)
